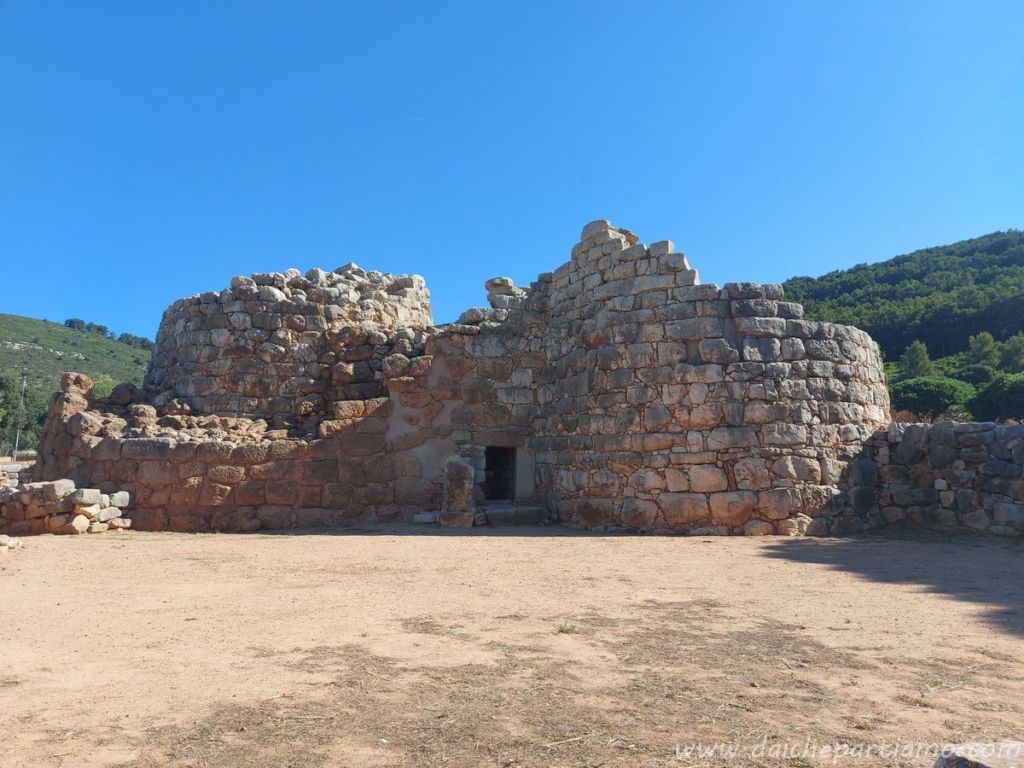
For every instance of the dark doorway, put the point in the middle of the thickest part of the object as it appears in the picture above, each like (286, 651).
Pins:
(499, 473)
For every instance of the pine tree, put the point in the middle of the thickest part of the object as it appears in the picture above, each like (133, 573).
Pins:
(1012, 354)
(914, 362)
(983, 350)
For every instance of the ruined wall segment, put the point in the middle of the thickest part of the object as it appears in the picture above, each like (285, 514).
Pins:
(634, 398)
(947, 476)
(271, 344)
(678, 406)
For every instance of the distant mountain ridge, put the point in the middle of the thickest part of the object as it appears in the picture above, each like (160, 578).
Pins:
(940, 295)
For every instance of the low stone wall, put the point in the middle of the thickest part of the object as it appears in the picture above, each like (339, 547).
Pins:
(967, 476)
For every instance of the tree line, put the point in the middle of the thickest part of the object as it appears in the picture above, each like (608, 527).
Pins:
(139, 342)
(949, 320)
(26, 414)
(940, 296)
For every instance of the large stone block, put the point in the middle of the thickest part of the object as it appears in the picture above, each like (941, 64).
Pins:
(717, 351)
(155, 449)
(681, 510)
(639, 513)
(695, 328)
(706, 478)
(732, 508)
(779, 503)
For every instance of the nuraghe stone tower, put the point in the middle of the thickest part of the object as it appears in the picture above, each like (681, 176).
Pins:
(614, 392)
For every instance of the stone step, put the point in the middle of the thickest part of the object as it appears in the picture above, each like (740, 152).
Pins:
(514, 514)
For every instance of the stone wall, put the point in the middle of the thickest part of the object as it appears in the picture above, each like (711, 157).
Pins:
(967, 476)
(272, 344)
(673, 405)
(633, 397)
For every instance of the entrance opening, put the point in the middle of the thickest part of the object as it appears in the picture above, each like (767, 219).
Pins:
(499, 473)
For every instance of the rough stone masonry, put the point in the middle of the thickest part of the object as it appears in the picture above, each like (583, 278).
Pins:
(615, 392)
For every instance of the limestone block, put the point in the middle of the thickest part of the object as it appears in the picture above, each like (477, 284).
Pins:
(459, 479)
(683, 509)
(1005, 513)
(732, 508)
(695, 328)
(107, 514)
(977, 520)
(90, 511)
(798, 525)
(797, 468)
(225, 474)
(752, 474)
(54, 490)
(717, 351)
(758, 528)
(676, 480)
(86, 496)
(761, 349)
(78, 524)
(761, 326)
(594, 228)
(706, 478)
(638, 513)
(779, 503)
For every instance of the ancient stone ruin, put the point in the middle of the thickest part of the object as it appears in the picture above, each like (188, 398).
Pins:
(59, 507)
(615, 392)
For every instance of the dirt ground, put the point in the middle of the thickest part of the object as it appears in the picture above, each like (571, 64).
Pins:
(552, 648)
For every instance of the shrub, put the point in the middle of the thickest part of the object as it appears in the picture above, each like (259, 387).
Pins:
(102, 387)
(1001, 399)
(931, 396)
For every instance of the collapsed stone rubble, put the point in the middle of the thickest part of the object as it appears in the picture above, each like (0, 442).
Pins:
(59, 507)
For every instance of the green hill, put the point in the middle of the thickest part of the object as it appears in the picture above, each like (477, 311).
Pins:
(952, 316)
(942, 295)
(43, 350)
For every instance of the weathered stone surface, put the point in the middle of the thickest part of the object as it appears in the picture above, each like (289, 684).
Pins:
(629, 396)
(733, 508)
(707, 477)
(86, 496)
(758, 528)
(638, 513)
(458, 486)
(683, 509)
(452, 519)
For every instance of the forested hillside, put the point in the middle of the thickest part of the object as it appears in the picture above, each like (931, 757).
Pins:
(949, 319)
(941, 296)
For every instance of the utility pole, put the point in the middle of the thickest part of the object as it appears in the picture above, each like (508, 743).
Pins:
(21, 408)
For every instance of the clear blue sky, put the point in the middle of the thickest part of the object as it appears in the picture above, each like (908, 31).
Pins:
(151, 150)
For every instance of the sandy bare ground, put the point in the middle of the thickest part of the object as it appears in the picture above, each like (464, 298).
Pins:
(389, 648)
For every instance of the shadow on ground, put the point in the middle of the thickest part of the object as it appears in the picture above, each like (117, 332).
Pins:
(985, 570)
